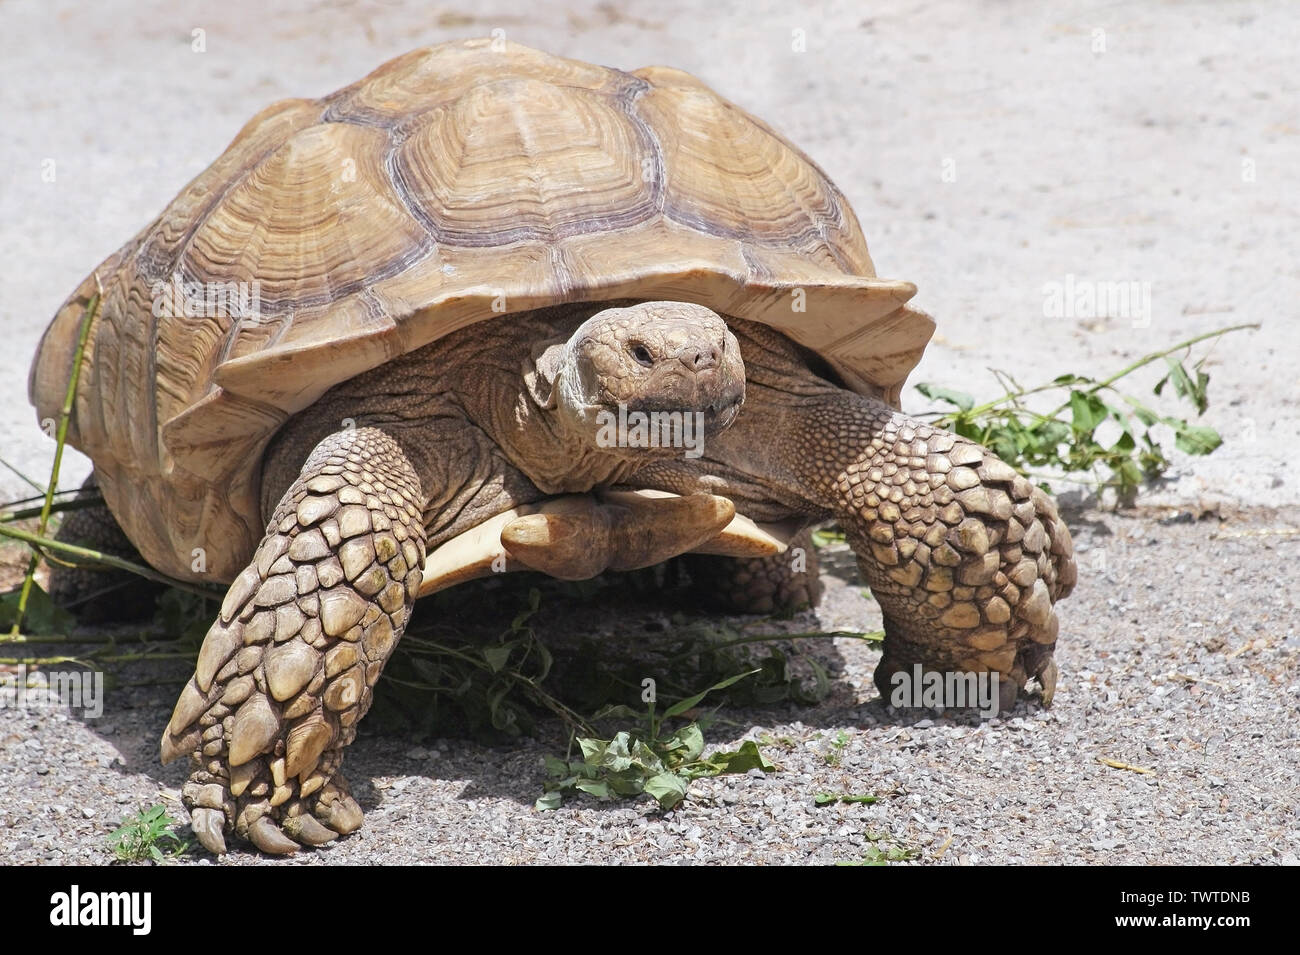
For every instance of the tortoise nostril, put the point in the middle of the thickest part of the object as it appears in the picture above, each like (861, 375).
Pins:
(707, 358)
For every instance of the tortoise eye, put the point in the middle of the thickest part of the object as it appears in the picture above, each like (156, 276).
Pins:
(642, 354)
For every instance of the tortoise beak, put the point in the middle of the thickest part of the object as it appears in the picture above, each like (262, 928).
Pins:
(722, 413)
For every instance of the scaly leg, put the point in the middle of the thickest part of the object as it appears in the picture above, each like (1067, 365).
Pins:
(287, 670)
(965, 556)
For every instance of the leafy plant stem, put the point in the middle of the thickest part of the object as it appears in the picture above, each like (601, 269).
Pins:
(1149, 358)
(38, 541)
(65, 414)
(1015, 396)
(539, 695)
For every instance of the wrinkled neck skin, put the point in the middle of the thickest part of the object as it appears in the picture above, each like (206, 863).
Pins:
(549, 430)
(465, 412)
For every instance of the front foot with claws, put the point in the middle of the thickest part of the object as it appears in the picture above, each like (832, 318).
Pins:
(286, 672)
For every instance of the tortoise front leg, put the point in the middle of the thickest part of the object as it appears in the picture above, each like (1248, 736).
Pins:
(287, 670)
(965, 556)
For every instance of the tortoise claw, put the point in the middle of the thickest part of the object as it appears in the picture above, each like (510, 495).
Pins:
(266, 835)
(1047, 680)
(343, 815)
(207, 825)
(308, 831)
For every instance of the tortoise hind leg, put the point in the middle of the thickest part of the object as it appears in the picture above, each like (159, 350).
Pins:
(287, 670)
(782, 583)
(100, 593)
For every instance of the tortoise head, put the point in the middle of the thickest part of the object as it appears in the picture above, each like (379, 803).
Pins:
(655, 375)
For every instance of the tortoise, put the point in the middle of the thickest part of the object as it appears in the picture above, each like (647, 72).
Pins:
(455, 303)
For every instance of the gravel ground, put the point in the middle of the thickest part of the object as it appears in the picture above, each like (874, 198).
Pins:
(989, 149)
(1179, 656)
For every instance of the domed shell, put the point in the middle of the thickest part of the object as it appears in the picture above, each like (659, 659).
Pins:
(454, 184)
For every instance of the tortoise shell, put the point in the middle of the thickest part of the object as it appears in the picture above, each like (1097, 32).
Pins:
(454, 184)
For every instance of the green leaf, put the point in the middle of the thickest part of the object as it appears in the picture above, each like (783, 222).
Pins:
(827, 535)
(593, 787)
(827, 799)
(968, 429)
(678, 708)
(1124, 444)
(1087, 411)
(551, 800)
(616, 756)
(184, 615)
(534, 601)
(630, 783)
(145, 835)
(547, 661)
(43, 615)
(497, 657)
(1071, 379)
(958, 399)
(742, 760)
(1178, 376)
(1201, 389)
(1143, 413)
(820, 689)
(1184, 386)
(1128, 475)
(668, 789)
(683, 746)
(592, 749)
(1196, 439)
